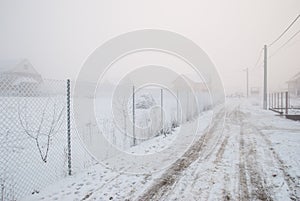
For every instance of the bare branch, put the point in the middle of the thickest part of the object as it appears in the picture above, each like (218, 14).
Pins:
(54, 127)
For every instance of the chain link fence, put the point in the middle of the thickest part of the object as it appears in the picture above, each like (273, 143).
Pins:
(34, 149)
(39, 144)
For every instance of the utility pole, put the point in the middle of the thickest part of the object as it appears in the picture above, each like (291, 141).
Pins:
(265, 103)
(247, 81)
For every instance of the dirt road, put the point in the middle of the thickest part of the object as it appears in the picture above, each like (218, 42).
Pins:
(238, 163)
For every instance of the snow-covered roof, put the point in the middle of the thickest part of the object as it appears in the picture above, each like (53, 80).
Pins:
(17, 66)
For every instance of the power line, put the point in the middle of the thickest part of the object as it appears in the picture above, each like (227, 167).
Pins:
(282, 46)
(257, 61)
(284, 31)
(278, 38)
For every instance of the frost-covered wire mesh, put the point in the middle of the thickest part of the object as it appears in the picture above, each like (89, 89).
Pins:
(157, 111)
(33, 136)
(33, 128)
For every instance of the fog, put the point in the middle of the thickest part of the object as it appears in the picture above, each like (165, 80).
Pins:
(58, 36)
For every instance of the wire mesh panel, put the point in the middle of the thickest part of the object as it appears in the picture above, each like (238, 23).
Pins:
(33, 135)
(37, 128)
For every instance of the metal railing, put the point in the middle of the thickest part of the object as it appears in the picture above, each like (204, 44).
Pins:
(282, 103)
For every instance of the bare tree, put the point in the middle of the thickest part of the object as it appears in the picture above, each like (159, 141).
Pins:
(46, 127)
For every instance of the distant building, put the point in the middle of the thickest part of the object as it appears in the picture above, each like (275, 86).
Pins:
(185, 81)
(255, 91)
(18, 77)
(294, 85)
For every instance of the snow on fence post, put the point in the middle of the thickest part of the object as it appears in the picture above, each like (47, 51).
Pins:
(69, 127)
(133, 115)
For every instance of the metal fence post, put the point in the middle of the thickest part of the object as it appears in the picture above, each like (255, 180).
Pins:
(277, 95)
(281, 102)
(286, 102)
(161, 109)
(177, 106)
(133, 115)
(269, 100)
(272, 101)
(275, 100)
(69, 126)
(289, 100)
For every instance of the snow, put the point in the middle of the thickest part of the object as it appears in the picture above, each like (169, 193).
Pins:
(96, 178)
(253, 155)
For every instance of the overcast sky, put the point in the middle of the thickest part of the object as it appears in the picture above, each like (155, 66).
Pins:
(57, 36)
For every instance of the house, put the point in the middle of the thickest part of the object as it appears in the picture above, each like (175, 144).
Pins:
(294, 85)
(18, 78)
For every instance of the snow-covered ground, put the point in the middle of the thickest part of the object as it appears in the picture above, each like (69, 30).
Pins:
(30, 161)
(253, 155)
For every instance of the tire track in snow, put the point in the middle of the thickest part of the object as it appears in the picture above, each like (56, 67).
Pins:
(221, 150)
(164, 185)
(291, 182)
(252, 183)
(243, 185)
(259, 189)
